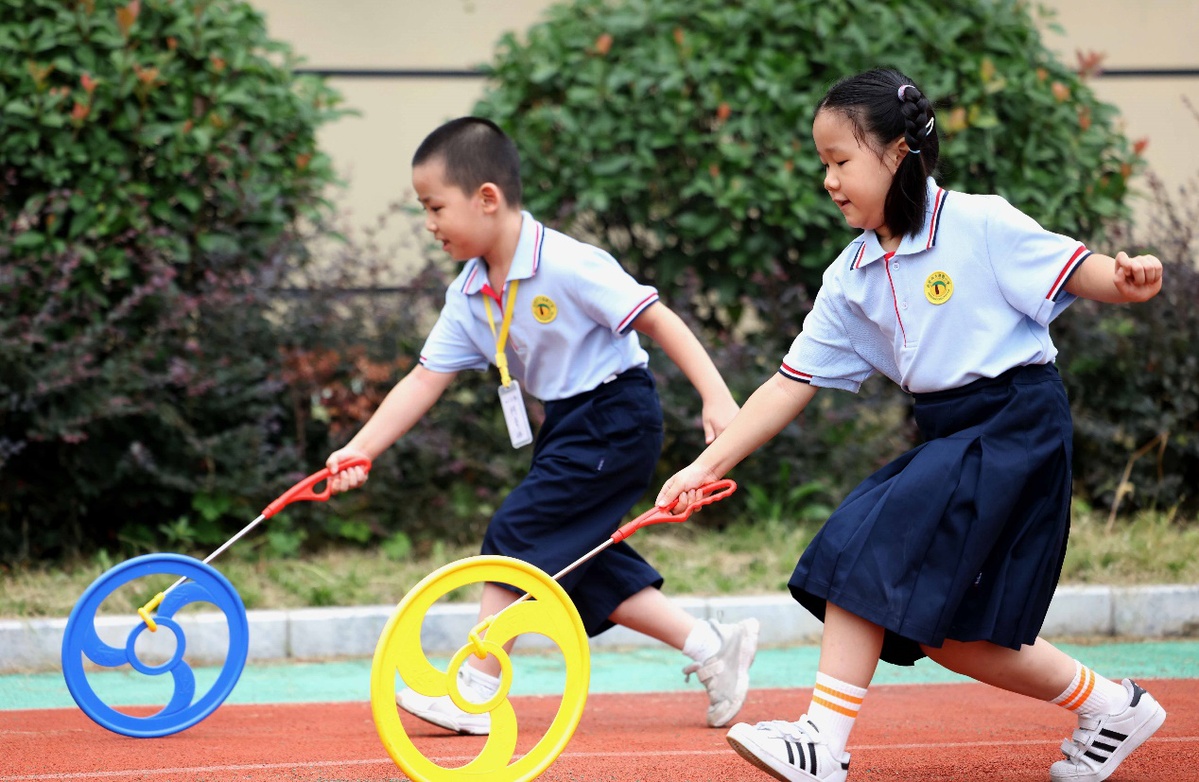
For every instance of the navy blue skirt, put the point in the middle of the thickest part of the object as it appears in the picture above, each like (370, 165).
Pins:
(594, 458)
(963, 537)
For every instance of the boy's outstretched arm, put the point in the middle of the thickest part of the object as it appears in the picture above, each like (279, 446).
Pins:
(774, 405)
(403, 406)
(1119, 280)
(662, 325)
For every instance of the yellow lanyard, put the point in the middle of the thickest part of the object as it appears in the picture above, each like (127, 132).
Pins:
(501, 339)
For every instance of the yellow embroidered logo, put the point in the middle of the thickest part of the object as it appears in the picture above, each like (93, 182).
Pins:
(544, 309)
(938, 288)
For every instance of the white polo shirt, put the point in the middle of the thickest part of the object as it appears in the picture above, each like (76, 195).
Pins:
(571, 324)
(970, 296)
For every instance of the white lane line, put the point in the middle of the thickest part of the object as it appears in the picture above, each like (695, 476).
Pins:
(463, 759)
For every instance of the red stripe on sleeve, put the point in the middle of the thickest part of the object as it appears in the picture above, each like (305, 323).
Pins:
(1065, 272)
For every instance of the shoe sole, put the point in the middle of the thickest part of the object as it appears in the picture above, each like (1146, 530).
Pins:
(1134, 740)
(745, 750)
(744, 661)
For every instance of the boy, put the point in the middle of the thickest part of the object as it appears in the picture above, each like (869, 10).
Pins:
(556, 317)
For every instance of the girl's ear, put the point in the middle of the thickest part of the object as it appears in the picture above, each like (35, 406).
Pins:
(491, 197)
(896, 152)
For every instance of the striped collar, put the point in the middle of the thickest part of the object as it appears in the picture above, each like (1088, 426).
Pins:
(525, 262)
(867, 250)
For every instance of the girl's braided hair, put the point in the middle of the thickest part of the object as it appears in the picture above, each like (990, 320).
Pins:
(884, 104)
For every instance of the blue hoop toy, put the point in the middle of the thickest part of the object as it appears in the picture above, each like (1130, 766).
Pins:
(81, 640)
(198, 583)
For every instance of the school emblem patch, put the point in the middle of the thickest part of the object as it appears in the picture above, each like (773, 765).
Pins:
(544, 309)
(938, 288)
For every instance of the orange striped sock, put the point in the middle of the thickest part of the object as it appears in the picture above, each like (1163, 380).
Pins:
(1090, 695)
(834, 709)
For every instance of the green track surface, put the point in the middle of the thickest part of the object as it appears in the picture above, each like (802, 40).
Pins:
(633, 670)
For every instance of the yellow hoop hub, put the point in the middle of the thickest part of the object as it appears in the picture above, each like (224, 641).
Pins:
(549, 613)
(487, 647)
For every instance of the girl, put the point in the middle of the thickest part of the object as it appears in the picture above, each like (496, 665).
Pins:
(954, 549)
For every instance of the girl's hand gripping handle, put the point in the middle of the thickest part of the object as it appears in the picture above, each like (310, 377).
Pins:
(304, 491)
(717, 490)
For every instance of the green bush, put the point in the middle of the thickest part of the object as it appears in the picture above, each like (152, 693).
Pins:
(1133, 374)
(155, 160)
(679, 131)
(678, 134)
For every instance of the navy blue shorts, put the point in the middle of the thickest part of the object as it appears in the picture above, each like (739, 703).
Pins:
(594, 458)
(963, 537)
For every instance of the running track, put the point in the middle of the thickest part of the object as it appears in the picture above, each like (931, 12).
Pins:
(906, 733)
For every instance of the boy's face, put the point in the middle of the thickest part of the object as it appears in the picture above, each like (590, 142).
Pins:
(456, 218)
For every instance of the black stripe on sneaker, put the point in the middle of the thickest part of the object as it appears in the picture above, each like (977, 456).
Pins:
(812, 753)
(796, 755)
(1104, 747)
(1111, 734)
(1096, 757)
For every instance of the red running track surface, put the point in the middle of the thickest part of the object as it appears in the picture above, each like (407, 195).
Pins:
(906, 733)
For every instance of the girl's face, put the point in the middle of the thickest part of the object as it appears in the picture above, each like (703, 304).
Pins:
(857, 176)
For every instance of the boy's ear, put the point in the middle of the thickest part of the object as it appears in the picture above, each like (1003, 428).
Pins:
(491, 197)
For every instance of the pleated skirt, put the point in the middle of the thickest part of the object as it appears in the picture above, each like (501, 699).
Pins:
(963, 537)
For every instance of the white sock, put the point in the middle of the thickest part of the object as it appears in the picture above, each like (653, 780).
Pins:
(702, 642)
(484, 684)
(1091, 695)
(834, 709)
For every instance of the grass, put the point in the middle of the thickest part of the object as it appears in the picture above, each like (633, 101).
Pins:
(1150, 548)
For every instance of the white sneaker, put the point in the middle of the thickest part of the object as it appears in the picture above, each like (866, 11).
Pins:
(444, 712)
(726, 673)
(1100, 744)
(790, 751)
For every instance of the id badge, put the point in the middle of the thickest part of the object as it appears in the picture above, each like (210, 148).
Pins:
(515, 414)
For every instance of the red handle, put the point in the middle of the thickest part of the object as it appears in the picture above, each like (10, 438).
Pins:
(717, 490)
(303, 489)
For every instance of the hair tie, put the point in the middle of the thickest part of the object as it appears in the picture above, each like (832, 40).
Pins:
(903, 87)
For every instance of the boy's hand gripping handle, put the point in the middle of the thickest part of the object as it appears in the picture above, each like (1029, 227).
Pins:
(303, 489)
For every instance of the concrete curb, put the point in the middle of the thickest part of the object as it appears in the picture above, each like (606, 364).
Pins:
(332, 633)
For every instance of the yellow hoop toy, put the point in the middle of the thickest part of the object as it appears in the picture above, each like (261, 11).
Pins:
(544, 609)
(549, 612)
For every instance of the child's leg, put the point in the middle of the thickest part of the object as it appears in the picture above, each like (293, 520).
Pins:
(849, 652)
(722, 653)
(850, 647)
(813, 747)
(1039, 671)
(495, 599)
(1113, 718)
(652, 613)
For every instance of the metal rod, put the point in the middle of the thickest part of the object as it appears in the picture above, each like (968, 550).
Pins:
(217, 553)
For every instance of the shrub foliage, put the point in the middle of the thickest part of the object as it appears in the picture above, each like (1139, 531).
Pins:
(679, 131)
(155, 158)
(171, 356)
